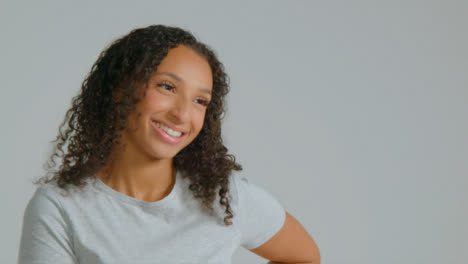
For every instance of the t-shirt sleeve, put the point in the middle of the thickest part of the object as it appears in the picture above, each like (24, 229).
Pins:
(45, 235)
(261, 216)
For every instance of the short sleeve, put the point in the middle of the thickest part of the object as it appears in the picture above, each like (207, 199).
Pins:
(261, 216)
(45, 235)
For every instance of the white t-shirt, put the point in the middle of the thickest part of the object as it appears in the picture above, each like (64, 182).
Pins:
(100, 225)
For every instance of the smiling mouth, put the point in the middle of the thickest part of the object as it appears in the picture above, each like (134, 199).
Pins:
(169, 131)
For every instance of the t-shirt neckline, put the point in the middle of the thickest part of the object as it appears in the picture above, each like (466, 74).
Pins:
(134, 201)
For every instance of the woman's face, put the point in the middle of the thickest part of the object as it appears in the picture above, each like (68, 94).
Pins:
(173, 110)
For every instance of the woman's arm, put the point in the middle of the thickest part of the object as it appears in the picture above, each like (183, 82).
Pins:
(292, 244)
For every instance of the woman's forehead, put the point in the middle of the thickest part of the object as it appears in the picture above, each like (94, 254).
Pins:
(184, 65)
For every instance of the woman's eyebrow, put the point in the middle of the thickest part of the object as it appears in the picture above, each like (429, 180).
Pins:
(170, 74)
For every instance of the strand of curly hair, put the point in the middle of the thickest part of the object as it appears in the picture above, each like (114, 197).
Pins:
(109, 93)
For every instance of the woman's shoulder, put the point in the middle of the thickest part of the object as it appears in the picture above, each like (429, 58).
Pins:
(44, 202)
(51, 187)
(236, 181)
(261, 215)
(240, 184)
(50, 196)
(245, 190)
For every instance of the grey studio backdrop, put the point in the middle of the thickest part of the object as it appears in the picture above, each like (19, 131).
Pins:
(352, 114)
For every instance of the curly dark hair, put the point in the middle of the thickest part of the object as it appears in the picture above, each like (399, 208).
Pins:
(96, 118)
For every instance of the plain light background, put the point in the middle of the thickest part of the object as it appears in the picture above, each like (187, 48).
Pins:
(352, 114)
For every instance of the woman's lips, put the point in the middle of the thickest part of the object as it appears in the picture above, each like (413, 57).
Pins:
(166, 137)
(168, 125)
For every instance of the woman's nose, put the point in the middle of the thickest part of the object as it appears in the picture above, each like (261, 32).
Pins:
(180, 111)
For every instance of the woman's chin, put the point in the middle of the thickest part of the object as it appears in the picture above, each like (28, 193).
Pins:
(158, 155)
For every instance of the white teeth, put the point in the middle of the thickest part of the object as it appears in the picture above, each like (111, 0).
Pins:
(168, 130)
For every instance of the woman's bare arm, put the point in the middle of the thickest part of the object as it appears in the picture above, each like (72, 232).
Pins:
(292, 244)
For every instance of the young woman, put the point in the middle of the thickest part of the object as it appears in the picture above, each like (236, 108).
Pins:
(146, 177)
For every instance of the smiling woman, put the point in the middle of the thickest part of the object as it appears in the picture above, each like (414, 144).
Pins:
(145, 165)
(174, 105)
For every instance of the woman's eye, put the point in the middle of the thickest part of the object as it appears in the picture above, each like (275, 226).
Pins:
(202, 101)
(166, 86)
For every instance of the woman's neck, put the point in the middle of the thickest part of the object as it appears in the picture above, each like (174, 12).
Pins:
(146, 181)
